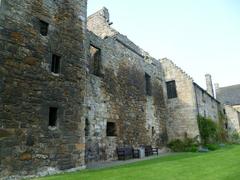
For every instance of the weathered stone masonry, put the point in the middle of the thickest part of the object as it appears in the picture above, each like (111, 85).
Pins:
(52, 96)
(73, 89)
(191, 100)
(119, 94)
(28, 145)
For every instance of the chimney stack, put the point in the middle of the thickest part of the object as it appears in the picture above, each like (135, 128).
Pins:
(216, 86)
(209, 84)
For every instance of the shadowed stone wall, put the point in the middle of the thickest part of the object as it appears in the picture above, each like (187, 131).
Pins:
(119, 94)
(207, 104)
(28, 146)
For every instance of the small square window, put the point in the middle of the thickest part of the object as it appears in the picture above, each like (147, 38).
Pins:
(55, 67)
(43, 27)
(111, 129)
(52, 116)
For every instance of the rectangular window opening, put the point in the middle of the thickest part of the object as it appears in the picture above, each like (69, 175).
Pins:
(171, 89)
(96, 60)
(43, 28)
(55, 67)
(148, 84)
(224, 111)
(203, 96)
(53, 116)
(153, 131)
(87, 127)
(111, 129)
(226, 125)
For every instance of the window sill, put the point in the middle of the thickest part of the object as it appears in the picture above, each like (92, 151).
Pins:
(52, 128)
(55, 74)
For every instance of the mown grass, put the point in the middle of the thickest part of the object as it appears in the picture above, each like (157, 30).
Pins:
(223, 164)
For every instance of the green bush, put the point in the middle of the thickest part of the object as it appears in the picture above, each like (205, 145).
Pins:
(186, 145)
(212, 147)
(208, 130)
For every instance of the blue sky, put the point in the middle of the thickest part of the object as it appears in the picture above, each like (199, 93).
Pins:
(200, 36)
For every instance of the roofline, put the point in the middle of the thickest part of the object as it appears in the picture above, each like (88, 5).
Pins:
(228, 86)
(206, 92)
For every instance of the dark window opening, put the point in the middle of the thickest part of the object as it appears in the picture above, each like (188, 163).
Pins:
(224, 111)
(52, 116)
(111, 129)
(203, 96)
(148, 85)
(153, 131)
(171, 89)
(96, 60)
(212, 103)
(55, 68)
(226, 125)
(43, 27)
(87, 127)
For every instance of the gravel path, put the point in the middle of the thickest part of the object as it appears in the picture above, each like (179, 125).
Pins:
(106, 164)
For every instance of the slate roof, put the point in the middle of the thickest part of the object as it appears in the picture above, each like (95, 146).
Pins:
(229, 95)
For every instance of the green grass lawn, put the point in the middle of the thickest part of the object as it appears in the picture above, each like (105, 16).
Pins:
(220, 164)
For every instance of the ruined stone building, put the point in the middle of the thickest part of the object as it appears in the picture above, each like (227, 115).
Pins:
(72, 89)
(125, 95)
(42, 85)
(187, 100)
(230, 97)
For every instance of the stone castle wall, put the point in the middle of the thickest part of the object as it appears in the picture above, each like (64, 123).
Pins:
(28, 88)
(126, 89)
(118, 94)
(207, 105)
(182, 109)
(233, 119)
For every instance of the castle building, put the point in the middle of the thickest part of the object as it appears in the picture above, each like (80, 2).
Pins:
(230, 97)
(126, 93)
(43, 73)
(186, 101)
(73, 89)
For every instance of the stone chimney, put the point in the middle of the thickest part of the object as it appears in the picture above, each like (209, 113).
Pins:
(216, 85)
(209, 84)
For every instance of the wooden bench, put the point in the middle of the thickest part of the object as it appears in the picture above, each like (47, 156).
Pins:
(149, 150)
(127, 152)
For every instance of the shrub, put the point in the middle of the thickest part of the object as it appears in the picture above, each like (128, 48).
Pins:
(208, 130)
(186, 145)
(212, 147)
